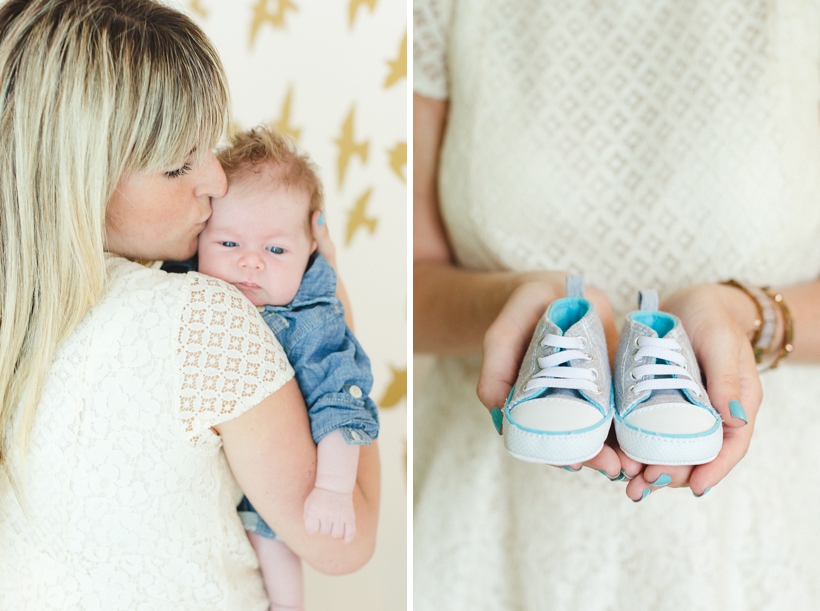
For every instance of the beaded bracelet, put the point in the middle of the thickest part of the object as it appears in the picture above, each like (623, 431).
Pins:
(788, 321)
(766, 322)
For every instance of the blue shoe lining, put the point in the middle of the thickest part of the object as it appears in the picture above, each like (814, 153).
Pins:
(660, 322)
(568, 311)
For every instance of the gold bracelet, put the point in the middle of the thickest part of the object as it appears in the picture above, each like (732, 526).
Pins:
(767, 315)
(788, 321)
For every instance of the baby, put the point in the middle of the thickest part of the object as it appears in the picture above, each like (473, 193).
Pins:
(259, 238)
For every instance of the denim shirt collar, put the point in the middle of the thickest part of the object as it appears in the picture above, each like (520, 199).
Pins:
(318, 286)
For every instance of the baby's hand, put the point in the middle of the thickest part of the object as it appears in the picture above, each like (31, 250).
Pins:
(330, 513)
(321, 234)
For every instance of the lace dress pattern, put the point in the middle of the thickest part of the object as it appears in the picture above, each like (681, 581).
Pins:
(129, 502)
(644, 144)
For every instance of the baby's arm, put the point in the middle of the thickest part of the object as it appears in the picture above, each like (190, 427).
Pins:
(329, 506)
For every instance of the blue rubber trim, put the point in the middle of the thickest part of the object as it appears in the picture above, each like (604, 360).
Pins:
(670, 436)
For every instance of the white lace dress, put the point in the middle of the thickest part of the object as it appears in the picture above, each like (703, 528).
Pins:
(654, 144)
(130, 503)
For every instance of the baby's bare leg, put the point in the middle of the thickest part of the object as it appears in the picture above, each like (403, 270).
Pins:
(281, 572)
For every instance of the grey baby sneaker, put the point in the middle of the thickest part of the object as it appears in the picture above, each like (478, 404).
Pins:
(663, 414)
(560, 409)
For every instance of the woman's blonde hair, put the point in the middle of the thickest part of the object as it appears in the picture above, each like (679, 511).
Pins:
(89, 90)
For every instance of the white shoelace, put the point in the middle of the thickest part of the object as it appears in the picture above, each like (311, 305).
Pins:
(555, 370)
(667, 350)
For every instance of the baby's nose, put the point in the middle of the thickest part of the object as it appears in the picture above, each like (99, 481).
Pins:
(251, 260)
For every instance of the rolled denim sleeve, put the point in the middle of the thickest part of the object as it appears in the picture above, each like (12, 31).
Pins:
(334, 375)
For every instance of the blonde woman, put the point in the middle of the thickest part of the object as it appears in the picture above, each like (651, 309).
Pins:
(133, 403)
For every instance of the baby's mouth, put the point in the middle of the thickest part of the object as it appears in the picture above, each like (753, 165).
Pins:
(248, 285)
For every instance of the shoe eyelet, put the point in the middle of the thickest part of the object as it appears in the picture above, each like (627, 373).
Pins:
(632, 374)
(590, 358)
(599, 390)
(635, 358)
(595, 371)
(583, 341)
(632, 390)
(637, 345)
(685, 366)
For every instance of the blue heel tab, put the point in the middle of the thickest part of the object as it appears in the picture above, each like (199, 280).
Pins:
(567, 311)
(575, 286)
(661, 322)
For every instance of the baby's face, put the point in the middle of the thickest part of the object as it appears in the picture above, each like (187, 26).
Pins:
(257, 240)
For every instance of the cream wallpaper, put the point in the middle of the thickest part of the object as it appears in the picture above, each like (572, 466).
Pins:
(333, 75)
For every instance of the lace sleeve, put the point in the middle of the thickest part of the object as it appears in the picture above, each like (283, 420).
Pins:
(430, 30)
(228, 358)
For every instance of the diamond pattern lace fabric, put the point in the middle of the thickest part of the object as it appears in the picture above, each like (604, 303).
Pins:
(644, 144)
(129, 500)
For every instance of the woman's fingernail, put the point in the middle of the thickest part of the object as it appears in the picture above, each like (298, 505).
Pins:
(612, 478)
(702, 493)
(570, 469)
(643, 496)
(321, 220)
(498, 419)
(737, 411)
(625, 476)
(663, 480)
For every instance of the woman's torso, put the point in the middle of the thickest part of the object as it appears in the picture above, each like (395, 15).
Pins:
(127, 507)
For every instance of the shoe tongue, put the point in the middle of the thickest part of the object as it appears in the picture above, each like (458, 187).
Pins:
(663, 396)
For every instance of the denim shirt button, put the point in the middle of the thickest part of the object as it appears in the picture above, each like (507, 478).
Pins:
(355, 392)
(260, 308)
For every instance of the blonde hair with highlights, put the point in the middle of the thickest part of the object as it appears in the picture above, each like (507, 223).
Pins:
(251, 151)
(89, 90)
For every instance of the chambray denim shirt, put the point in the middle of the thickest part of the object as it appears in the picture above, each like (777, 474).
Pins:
(331, 367)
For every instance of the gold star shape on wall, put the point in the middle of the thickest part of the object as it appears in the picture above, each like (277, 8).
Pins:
(262, 15)
(358, 218)
(398, 159)
(283, 125)
(354, 8)
(348, 146)
(196, 6)
(397, 389)
(398, 66)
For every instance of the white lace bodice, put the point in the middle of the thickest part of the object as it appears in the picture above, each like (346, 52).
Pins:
(130, 503)
(642, 143)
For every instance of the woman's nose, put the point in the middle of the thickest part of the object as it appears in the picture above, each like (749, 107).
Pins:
(213, 182)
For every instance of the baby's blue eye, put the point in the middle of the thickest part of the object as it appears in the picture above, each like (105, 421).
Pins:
(277, 250)
(229, 244)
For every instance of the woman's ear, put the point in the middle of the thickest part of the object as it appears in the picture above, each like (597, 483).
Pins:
(313, 247)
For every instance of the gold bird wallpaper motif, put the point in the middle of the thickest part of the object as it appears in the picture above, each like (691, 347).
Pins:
(333, 77)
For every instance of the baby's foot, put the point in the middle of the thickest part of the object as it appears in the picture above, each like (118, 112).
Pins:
(330, 513)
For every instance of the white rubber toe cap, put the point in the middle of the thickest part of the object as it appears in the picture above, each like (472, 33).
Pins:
(555, 414)
(672, 419)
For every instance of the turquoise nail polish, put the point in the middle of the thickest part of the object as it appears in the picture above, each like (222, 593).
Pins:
(643, 496)
(498, 419)
(625, 476)
(704, 492)
(321, 222)
(608, 476)
(663, 480)
(568, 468)
(737, 411)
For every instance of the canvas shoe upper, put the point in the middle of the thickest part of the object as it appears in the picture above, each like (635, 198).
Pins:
(560, 409)
(663, 414)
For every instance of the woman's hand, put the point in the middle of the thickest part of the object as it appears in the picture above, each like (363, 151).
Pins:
(326, 247)
(507, 339)
(719, 321)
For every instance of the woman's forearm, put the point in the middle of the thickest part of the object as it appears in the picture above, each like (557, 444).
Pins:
(803, 301)
(272, 455)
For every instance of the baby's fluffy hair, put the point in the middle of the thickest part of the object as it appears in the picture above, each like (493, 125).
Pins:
(249, 151)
